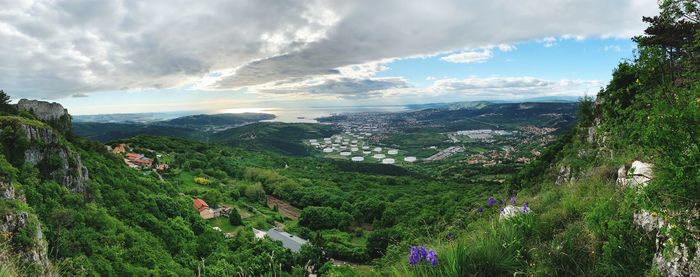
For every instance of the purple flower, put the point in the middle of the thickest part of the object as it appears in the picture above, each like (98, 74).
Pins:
(512, 200)
(502, 209)
(490, 202)
(422, 252)
(526, 207)
(414, 257)
(480, 210)
(431, 258)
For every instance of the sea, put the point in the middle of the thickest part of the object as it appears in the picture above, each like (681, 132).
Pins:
(311, 114)
(288, 115)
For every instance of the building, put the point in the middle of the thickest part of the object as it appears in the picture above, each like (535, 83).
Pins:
(119, 149)
(288, 240)
(203, 209)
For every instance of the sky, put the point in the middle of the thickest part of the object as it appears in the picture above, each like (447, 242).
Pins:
(121, 56)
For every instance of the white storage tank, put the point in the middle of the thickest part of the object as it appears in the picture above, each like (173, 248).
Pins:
(392, 152)
(379, 156)
(409, 159)
(357, 159)
(388, 161)
(345, 153)
(327, 150)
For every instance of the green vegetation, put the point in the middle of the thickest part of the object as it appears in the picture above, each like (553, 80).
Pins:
(562, 214)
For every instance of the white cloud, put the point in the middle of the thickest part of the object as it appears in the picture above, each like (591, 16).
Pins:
(469, 57)
(548, 41)
(514, 87)
(53, 49)
(614, 48)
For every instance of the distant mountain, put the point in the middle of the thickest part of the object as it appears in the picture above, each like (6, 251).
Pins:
(197, 127)
(217, 120)
(480, 104)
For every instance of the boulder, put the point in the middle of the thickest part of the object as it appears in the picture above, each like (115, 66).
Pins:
(640, 174)
(511, 211)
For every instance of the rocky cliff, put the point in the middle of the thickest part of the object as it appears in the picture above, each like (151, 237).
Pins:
(45, 111)
(59, 161)
(32, 252)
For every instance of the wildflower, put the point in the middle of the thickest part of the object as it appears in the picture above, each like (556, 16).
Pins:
(512, 200)
(502, 210)
(450, 236)
(480, 210)
(653, 214)
(526, 207)
(422, 252)
(414, 257)
(490, 202)
(431, 258)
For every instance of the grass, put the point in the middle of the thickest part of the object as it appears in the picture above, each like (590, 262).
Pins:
(579, 229)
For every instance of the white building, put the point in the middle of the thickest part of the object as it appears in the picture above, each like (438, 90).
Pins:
(388, 161)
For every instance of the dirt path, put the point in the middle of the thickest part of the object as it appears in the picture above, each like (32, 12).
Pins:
(284, 208)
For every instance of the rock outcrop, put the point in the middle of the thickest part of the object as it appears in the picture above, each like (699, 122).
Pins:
(45, 111)
(13, 222)
(45, 144)
(638, 175)
(511, 211)
(564, 175)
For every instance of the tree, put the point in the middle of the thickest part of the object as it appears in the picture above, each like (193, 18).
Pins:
(379, 240)
(213, 197)
(585, 111)
(318, 218)
(5, 105)
(234, 218)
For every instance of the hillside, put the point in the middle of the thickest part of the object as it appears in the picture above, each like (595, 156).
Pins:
(196, 127)
(616, 196)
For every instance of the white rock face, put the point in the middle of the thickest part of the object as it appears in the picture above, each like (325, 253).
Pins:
(622, 176)
(641, 173)
(42, 110)
(511, 211)
(648, 221)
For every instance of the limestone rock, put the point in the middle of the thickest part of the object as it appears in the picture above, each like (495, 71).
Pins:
(640, 174)
(648, 221)
(13, 222)
(43, 110)
(591, 135)
(511, 211)
(7, 191)
(564, 175)
(45, 143)
(622, 176)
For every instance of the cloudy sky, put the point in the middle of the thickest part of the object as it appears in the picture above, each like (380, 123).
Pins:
(135, 56)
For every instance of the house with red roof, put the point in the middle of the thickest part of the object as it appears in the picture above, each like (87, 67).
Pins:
(203, 209)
